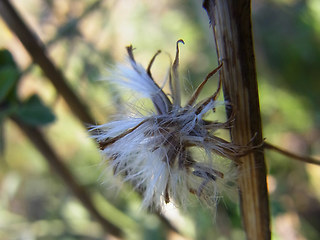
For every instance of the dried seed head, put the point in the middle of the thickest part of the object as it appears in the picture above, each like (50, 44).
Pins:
(156, 152)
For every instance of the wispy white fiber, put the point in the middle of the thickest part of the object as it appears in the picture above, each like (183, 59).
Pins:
(134, 79)
(155, 153)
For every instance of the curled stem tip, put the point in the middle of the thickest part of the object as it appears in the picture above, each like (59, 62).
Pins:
(151, 62)
(130, 52)
(174, 80)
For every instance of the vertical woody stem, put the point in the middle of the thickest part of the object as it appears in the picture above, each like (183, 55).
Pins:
(231, 23)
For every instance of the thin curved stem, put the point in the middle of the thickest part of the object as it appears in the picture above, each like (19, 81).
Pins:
(305, 159)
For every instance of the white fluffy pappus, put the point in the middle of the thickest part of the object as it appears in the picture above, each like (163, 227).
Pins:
(154, 152)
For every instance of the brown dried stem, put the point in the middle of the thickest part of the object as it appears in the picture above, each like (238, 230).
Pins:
(39, 140)
(294, 156)
(231, 23)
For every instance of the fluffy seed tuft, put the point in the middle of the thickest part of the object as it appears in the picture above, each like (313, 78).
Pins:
(155, 152)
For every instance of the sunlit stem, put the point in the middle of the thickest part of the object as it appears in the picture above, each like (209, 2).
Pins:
(104, 144)
(200, 87)
(174, 80)
(305, 159)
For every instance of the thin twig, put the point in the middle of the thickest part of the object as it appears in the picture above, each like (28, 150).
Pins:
(305, 159)
(39, 140)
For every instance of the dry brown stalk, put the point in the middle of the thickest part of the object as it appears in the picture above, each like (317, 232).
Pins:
(231, 24)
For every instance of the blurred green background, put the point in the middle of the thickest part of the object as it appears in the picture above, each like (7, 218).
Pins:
(84, 41)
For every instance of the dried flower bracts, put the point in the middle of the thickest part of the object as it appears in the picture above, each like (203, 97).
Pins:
(155, 152)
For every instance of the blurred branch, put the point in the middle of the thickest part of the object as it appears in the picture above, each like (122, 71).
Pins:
(39, 140)
(71, 26)
(69, 29)
(305, 159)
(39, 55)
(231, 23)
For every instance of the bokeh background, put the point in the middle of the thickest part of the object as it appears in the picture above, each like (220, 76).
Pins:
(84, 38)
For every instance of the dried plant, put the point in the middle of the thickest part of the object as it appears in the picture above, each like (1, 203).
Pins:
(154, 152)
